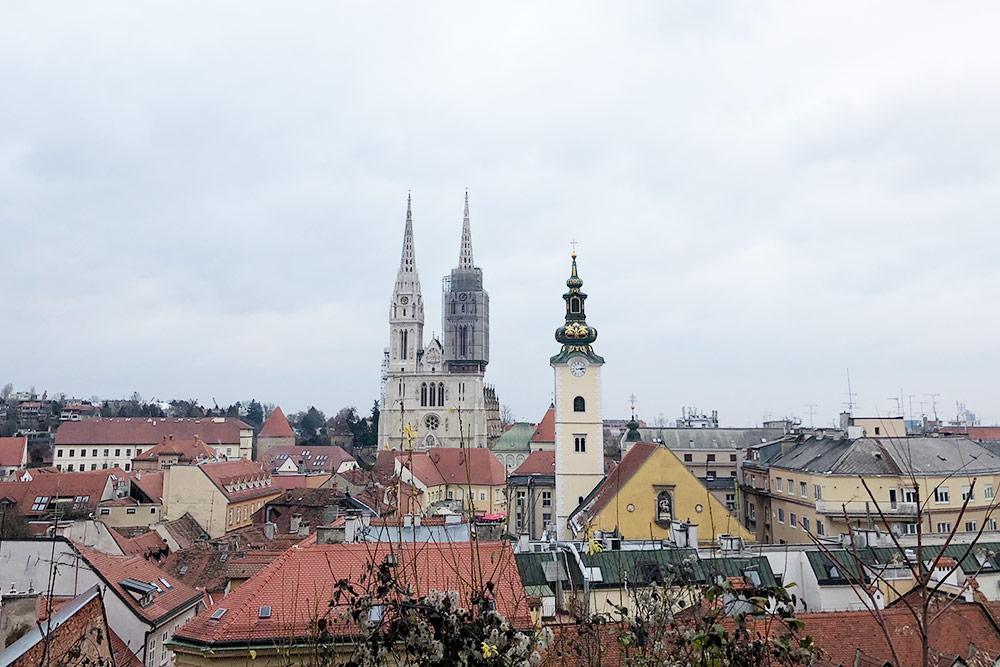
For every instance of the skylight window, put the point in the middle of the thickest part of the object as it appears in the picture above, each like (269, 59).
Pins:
(166, 584)
(264, 612)
(218, 613)
(184, 570)
(156, 586)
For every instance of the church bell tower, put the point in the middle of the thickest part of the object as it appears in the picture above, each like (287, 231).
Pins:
(579, 428)
(465, 308)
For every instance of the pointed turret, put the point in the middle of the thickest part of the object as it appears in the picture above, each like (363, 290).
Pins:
(406, 313)
(465, 252)
(576, 335)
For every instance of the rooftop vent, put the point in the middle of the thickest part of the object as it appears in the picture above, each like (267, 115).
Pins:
(184, 570)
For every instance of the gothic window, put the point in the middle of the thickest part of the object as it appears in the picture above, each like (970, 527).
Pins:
(579, 404)
(664, 507)
(432, 422)
(453, 307)
(441, 394)
(433, 394)
(423, 394)
(402, 344)
(463, 342)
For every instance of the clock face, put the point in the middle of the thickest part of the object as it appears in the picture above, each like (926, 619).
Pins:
(578, 368)
(404, 300)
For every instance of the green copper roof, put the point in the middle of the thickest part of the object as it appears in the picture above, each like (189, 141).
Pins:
(576, 335)
(515, 439)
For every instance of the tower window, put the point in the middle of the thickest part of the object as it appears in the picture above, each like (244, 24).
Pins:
(423, 394)
(579, 404)
(433, 394)
(579, 443)
(441, 394)
(453, 307)
(574, 305)
(403, 335)
(463, 341)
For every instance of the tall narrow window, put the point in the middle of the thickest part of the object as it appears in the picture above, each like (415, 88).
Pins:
(579, 404)
(433, 394)
(402, 344)
(441, 394)
(580, 443)
(463, 342)
(423, 394)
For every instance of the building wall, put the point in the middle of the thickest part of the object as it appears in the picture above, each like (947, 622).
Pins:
(709, 462)
(265, 443)
(130, 515)
(577, 473)
(663, 471)
(464, 408)
(240, 514)
(95, 457)
(80, 640)
(487, 499)
(532, 510)
(187, 489)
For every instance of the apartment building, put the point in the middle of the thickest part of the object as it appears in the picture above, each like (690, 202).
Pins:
(812, 487)
(92, 444)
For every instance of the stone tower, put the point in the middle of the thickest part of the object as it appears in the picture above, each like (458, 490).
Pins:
(434, 395)
(579, 429)
(465, 310)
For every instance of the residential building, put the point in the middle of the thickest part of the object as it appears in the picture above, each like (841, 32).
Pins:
(270, 617)
(292, 459)
(433, 394)
(277, 432)
(646, 494)
(144, 605)
(447, 478)
(708, 452)
(75, 411)
(301, 511)
(93, 444)
(872, 427)
(76, 634)
(220, 496)
(808, 485)
(171, 452)
(531, 492)
(46, 496)
(579, 431)
(13, 456)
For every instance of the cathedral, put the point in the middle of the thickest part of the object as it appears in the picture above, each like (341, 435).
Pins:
(434, 395)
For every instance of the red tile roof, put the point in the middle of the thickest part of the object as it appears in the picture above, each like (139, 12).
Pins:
(212, 570)
(299, 586)
(538, 463)
(277, 426)
(94, 484)
(150, 482)
(453, 465)
(187, 451)
(147, 544)
(115, 569)
(546, 429)
(239, 480)
(841, 634)
(608, 488)
(125, 431)
(312, 457)
(124, 657)
(284, 482)
(186, 531)
(14, 451)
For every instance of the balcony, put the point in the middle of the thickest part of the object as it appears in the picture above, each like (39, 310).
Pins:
(866, 508)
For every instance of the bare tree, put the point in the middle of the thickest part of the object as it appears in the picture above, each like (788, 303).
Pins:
(507, 417)
(7, 390)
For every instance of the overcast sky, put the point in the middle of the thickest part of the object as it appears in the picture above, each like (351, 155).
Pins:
(207, 199)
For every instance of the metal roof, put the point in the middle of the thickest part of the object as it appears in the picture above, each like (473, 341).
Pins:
(710, 438)
(888, 456)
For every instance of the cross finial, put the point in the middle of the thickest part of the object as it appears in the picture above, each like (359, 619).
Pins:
(573, 243)
(631, 399)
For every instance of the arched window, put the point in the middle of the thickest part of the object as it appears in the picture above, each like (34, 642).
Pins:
(574, 304)
(423, 394)
(433, 394)
(579, 404)
(441, 394)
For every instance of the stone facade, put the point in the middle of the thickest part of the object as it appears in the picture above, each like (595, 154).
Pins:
(434, 394)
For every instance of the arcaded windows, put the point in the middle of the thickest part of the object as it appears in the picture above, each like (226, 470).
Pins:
(580, 443)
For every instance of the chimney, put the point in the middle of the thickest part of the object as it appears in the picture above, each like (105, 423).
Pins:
(269, 530)
(296, 521)
(330, 534)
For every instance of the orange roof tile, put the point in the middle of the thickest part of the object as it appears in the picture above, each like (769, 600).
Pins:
(14, 451)
(299, 586)
(538, 463)
(187, 451)
(239, 480)
(327, 458)
(277, 426)
(546, 429)
(127, 431)
(608, 488)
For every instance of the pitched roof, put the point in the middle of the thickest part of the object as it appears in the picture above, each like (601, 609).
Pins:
(92, 484)
(327, 458)
(841, 634)
(517, 438)
(128, 431)
(150, 482)
(210, 569)
(277, 426)
(171, 597)
(186, 531)
(546, 429)
(538, 463)
(709, 438)
(239, 480)
(124, 657)
(608, 488)
(187, 451)
(14, 451)
(299, 587)
(146, 544)
(888, 456)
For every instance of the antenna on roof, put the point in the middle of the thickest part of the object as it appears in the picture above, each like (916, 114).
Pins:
(933, 398)
(850, 394)
(812, 411)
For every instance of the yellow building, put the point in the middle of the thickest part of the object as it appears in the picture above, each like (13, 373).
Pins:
(648, 490)
(813, 487)
(220, 496)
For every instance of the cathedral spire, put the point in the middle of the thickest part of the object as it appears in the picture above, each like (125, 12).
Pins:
(408, 261)
(465, 252)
